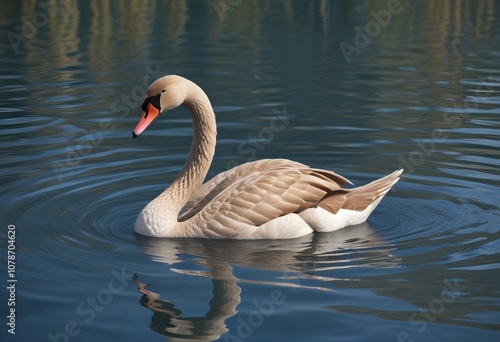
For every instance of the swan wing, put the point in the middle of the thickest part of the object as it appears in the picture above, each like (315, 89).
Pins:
(262, 197)
(209, 190)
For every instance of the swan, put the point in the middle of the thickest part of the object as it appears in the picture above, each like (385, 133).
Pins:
(264, 199)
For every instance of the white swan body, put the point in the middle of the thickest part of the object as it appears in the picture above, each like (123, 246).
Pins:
(265, 199)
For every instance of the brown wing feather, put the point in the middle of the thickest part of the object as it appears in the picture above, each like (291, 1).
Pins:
(358, 199)
(264, 196)
(208, 191)
(333, 202)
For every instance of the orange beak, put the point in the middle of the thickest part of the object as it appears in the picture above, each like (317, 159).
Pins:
(148, 116)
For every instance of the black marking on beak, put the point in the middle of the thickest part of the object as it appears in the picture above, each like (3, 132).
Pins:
(154, 100)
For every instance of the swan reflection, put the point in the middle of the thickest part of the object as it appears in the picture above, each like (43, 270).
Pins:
(306, 262)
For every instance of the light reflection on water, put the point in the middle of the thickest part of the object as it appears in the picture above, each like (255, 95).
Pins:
(423, 94)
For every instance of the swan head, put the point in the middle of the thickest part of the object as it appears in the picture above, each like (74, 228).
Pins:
(164, 94)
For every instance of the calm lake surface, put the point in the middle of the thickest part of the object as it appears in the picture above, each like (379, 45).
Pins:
(360, 87)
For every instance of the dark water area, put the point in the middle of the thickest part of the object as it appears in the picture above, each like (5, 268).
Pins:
(360, 87)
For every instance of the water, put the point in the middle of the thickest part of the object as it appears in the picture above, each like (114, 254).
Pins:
(421, 92)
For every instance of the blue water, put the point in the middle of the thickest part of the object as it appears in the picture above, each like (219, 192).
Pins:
(359, 87)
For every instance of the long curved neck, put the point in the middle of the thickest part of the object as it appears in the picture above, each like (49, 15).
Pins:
(201, 153)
